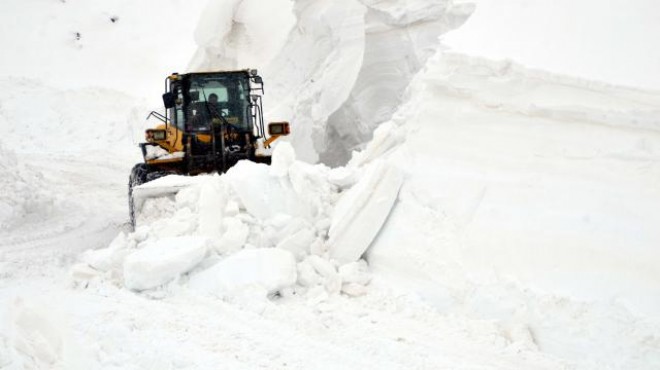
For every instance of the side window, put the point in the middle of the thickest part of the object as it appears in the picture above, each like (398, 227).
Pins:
(221, 92)
(178, 109)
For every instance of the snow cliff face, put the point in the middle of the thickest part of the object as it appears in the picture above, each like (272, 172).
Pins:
(335, 69)
(526, 184)
(398, 41)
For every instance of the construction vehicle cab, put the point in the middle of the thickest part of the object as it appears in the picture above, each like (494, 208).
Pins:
(212, 120)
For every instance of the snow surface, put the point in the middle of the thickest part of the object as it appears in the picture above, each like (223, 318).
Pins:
(522, 231)
(609, 41)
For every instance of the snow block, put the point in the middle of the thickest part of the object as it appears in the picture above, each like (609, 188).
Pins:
(211, 203)
(164, 186)
(264, 195)
(298, 243)
(362, 211)
(268, 268)
(163, 260)
(234, 237)
(108, 258)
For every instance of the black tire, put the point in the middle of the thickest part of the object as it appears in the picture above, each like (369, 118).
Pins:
(138, 176)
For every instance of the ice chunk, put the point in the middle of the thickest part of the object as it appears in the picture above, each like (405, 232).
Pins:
(106, 259)
(354, 277)
(234, 237)
(263, 195)
(353, 289)
(325, 268)
(284, 230)
(182, 223)
(298, 243)
(343, 177)
(307, 275)
(163, 260)
(162, 187)
(361, 212)
(283, 157)
(386, 137)
(156, 152)
(269, 268)
(211, 204)
(355, 272)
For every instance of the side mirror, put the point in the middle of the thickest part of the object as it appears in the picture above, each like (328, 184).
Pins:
(168, 100)
(279, 129)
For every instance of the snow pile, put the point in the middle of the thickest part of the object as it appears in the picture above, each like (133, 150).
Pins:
(23, 193)
(334, 69)
(288, 228)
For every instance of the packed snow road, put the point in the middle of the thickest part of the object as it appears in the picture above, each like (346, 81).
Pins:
(76, 211)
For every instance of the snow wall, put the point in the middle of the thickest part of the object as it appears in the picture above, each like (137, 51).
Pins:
(334, 69)
(529, 197)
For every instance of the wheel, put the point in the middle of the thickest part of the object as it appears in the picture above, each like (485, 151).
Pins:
(138, 176)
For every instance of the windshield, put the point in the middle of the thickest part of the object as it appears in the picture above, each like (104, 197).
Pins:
(219, 98)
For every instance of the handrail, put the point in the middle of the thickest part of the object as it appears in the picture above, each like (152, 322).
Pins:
(162, 118)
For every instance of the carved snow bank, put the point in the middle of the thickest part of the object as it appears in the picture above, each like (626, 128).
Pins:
(362, 211)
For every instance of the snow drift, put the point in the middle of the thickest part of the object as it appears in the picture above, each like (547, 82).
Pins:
(524, 184)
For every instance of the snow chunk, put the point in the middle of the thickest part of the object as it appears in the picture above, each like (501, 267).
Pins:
(328, 273)
(163, 260)
(298, 243)
(362, 211)
(268, 268)
(156, 152)
(386, 137)
(354, 278)
(234, 237)
(211, 204)
(283, 157)
(264, 195)
(166, 185)
(108, 258)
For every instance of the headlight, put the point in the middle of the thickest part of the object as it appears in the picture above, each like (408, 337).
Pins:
(155, 135)
(278, 128)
